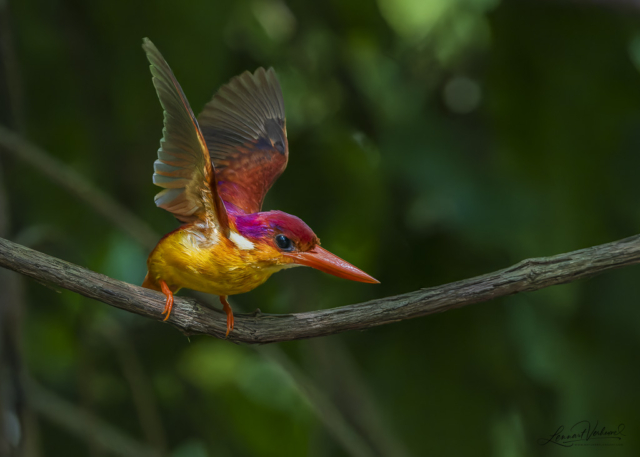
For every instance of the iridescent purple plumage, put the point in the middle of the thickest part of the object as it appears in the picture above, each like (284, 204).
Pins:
(269, 223)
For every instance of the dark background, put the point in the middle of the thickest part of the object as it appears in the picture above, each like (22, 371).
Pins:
(430, 141)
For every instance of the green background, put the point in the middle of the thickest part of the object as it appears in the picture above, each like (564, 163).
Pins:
(430, 141)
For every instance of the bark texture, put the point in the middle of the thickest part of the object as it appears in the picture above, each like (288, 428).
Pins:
(193, 318)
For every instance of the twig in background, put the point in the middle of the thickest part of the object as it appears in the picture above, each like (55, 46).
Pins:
(133, 371)
(82, 424)
(67, 178)
(333, 366)
(324, 408)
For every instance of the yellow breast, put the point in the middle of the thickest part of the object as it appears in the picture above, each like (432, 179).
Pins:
(200, 259)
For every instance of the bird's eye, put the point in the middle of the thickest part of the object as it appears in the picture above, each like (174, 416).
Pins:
(284, 243)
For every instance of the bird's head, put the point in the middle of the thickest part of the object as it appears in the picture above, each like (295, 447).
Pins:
(294, 243)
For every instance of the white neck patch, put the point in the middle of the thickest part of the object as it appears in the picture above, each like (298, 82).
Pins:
(241, 242)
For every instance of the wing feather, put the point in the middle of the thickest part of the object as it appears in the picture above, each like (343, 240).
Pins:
(184, 166)
(244, 127)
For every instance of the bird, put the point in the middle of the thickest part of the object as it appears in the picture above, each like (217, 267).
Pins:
(215, 170)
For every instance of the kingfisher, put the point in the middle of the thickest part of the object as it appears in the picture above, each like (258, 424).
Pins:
(216, 170)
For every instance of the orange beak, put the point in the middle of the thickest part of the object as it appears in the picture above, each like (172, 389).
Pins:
(323, 260)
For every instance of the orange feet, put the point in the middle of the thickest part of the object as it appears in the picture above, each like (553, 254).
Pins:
(169, 305)
(229, 311)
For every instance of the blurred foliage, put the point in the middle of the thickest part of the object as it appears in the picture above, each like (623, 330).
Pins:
(430, 141)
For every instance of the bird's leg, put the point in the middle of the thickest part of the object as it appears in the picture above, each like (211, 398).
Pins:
(169, 305)
(229, 311)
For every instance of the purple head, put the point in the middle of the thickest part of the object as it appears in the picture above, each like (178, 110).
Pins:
(272, 226)
(297, 243)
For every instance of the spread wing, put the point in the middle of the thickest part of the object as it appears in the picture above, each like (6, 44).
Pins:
(245, 130)
(183, 167)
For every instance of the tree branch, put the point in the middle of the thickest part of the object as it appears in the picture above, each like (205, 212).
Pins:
(193, 318)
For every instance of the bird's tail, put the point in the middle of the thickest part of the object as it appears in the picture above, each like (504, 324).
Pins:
(150, 284)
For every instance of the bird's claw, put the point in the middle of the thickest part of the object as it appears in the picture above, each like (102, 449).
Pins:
(169, 303)
(229, 312)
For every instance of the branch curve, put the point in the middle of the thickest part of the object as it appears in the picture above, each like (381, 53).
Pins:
(191, 317)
